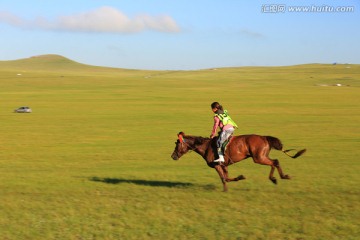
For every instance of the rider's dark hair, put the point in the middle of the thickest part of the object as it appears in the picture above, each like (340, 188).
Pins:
(216, 105)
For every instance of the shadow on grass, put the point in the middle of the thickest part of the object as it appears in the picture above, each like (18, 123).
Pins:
(153, 183)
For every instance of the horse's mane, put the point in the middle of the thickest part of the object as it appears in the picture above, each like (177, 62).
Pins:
(197, 139)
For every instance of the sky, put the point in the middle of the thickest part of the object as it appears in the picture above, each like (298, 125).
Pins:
(182, 34)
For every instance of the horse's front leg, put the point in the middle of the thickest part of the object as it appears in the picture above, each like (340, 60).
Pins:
(223, 176)
(226, 173)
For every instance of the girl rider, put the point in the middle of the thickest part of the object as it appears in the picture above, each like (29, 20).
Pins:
(227, 126)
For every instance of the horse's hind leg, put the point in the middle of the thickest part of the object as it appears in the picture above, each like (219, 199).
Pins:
(282, 175)
(271, 163)
(271, 175)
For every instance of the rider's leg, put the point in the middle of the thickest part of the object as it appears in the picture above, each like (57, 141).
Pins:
(224, 135)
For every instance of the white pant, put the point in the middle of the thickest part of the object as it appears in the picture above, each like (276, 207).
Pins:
(224, 135)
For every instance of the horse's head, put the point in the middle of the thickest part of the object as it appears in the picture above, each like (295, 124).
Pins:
(181, 147)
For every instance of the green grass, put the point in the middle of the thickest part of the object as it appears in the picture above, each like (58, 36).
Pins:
(93, 159)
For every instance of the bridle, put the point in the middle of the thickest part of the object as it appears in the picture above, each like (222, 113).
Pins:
(183, 141)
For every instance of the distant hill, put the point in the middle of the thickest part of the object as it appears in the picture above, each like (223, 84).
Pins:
(50, 63)
(59, 64)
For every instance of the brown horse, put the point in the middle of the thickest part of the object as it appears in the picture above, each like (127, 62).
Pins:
(239, 148)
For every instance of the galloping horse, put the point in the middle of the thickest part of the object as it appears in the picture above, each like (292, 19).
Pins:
(239, 148)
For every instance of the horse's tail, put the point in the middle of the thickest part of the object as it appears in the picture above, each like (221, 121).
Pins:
(276, 144)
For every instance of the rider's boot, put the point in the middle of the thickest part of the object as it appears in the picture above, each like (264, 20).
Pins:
(221, 156)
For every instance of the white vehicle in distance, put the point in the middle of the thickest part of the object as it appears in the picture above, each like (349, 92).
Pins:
(23, 110)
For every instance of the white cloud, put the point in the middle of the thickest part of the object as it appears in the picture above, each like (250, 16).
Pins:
(11, 19)
(251, 33)
(104, 19)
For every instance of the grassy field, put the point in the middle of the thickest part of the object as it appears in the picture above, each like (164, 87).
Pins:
(93, 159)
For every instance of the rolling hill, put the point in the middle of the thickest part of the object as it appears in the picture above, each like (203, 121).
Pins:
(51, 63)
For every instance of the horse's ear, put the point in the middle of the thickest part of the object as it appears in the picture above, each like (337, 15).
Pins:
(181, 136)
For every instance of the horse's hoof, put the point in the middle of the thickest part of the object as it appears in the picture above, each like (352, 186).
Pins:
(241, 177)
(273, 180)
(286, 177)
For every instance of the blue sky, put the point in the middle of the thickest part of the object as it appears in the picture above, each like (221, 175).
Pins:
(182, 34)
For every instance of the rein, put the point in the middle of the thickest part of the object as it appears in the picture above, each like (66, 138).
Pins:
(183, 141)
